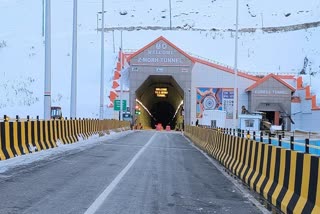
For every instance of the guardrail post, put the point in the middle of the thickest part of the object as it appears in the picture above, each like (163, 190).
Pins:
(248, 135)
(279, 141)
(269, 138)
(291, 142)
(307, 145)
(254, 135)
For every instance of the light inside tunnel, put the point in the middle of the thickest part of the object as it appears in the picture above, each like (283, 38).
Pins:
(145, 108)
(160, 98)
(163, 112)
(175, 114)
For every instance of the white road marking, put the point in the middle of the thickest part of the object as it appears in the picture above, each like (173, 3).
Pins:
(103, 196)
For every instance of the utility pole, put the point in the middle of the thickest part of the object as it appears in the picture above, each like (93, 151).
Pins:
(121, 82)
(170, 14)
(114, 47)
(235, 90)
(102, 66)
(73, 103)
(47, 76)
(97, 22)
(43, 20)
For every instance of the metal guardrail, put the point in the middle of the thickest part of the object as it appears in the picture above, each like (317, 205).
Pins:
(303, 144)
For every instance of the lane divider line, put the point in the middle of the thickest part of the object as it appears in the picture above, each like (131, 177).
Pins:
(103, 196)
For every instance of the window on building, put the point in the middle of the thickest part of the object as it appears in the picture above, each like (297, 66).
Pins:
(249, 123)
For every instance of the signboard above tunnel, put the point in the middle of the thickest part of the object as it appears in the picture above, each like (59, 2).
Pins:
(161, 92)
(161, 53)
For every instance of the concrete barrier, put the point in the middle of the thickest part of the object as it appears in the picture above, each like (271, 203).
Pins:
(290, 180)
(24, 137)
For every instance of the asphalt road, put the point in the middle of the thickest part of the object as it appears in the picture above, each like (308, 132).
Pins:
(144, 172)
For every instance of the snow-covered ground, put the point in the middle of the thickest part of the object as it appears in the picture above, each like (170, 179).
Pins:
(22, 44)
(61, 149)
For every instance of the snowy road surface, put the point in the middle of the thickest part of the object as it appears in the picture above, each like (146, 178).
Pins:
(141, 172)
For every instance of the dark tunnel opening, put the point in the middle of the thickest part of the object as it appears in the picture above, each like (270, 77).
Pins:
(163, 113)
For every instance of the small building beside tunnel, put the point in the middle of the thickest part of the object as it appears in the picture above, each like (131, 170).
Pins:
(174, 88)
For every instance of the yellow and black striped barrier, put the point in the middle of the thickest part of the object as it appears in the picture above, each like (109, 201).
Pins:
(23, 137)
(290, 180)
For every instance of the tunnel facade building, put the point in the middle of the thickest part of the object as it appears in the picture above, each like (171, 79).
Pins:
(174, 88)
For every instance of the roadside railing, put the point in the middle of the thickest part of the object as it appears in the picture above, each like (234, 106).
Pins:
(308, 142)
(285, 178)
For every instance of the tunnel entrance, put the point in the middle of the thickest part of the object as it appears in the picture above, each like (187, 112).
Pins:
(163, 113)
(160, 100)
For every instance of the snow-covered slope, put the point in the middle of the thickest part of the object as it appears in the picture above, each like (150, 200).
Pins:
(22, 47)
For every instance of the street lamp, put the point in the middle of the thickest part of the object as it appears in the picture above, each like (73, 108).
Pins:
(73, 103)
(98, 13)
(47, 66)
(170, 14)
(235, 103)
(121, 79)
(102, 66)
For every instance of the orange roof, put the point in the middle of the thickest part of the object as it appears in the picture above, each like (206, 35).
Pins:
(267, 78)
(299, 83)
(286, 77)
(113, 95)
(223, 68)
(161, 38)
(117, 75)
(115, 84)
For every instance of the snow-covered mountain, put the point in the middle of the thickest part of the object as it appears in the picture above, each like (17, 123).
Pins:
(275, 36)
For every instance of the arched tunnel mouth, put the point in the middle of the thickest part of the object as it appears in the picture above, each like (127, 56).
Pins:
(160, 99)
(163, 113)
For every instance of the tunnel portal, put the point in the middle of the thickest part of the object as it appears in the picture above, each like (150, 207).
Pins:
(163, 113)
(160, 99)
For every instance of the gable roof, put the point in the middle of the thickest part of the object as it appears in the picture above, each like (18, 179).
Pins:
(226, 69)
(129, 56)
(161, 38)
(267, 78)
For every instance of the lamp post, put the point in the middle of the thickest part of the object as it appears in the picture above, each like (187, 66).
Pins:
(170, 14)
(121, 80)
(102, 66)
(73, 103)
(235, 102)
(43, 20)
(47, 76)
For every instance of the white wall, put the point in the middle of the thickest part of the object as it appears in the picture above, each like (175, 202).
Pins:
(206, 76)
(305, 119)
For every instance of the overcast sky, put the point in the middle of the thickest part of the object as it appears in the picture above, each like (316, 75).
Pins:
(22, 48)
